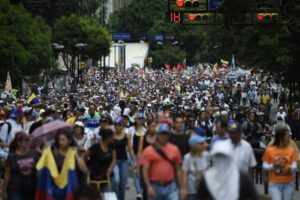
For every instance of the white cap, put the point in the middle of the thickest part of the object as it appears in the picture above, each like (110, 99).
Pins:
(222, 147)
(79, 123)
(281, 108)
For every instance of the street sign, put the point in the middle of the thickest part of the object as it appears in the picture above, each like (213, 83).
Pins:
(159, 38)
(121, 36)
(215, 4)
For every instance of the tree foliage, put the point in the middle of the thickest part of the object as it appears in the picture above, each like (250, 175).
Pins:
(138, 17)
(71, 30)
(25, 42)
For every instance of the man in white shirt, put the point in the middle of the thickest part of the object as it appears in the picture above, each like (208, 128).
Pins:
(243, 152)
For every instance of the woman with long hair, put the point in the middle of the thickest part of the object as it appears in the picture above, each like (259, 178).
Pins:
(20, 176)
(122, 146)
(58, 166)
(280, 160)
(136, 132)
(148, 139)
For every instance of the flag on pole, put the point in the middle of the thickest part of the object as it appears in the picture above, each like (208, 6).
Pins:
(233, 61)
(224, 63)
(33, 99)
(8, 86)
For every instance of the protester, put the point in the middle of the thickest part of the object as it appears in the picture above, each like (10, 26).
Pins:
(20, 176)
(178, 137)
(194, 164)
(82, 142)
(122, 145)
(137, 132)
(101, 161)
(58, 178)
(280, 160)
(190, 125)
(161, 166)
(221, 130)
(224, 180)
(242, 150)
(9, 128)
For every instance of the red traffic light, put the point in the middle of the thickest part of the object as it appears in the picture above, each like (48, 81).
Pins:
(192, 17)
(180, 3)
(260, 17)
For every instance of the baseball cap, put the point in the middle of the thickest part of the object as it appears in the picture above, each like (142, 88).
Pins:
(163, 128)
(196, 139)
(233, 126)
(79, 123)
(140, 115)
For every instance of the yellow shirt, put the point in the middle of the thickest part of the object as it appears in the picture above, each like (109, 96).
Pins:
(71, 120)
(265, 99)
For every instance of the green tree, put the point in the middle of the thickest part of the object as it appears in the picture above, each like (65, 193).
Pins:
(25, 43)
(168, 55)
(139, 16)
(72, 30)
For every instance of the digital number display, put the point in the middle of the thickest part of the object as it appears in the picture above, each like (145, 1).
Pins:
(174, 17)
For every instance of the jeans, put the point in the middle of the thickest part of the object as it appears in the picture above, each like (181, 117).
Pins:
(122, 173)
(137, 180)
(169, 192)
(281, 191)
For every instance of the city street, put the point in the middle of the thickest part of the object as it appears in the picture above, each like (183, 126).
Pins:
(200, 98)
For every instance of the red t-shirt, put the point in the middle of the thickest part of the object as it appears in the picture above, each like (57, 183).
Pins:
(161, 170)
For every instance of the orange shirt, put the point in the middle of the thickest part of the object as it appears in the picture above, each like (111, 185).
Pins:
(161, 170)
(282, 157)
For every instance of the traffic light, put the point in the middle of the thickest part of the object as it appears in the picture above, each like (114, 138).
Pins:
(199, 17)
(188, 3)
(267, 17)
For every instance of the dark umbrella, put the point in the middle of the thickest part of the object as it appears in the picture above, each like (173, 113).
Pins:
(47, 132)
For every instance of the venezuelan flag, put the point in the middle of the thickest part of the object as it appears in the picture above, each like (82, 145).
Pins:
(33, 99)
(55, 185)
(178, 88)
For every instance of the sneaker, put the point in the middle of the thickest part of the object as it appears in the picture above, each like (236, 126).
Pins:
(139, 197)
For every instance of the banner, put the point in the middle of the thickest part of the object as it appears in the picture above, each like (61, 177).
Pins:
(8, 86)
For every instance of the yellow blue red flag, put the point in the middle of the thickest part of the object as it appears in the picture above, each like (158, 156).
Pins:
(55, 185)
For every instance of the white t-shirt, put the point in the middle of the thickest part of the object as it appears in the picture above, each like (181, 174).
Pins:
(244, 156)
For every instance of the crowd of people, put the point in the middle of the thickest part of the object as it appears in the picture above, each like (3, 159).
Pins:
(179, 135)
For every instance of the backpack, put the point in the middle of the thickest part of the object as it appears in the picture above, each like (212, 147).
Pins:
(9, 127)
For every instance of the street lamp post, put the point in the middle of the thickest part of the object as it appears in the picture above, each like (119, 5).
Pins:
(79, 46)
